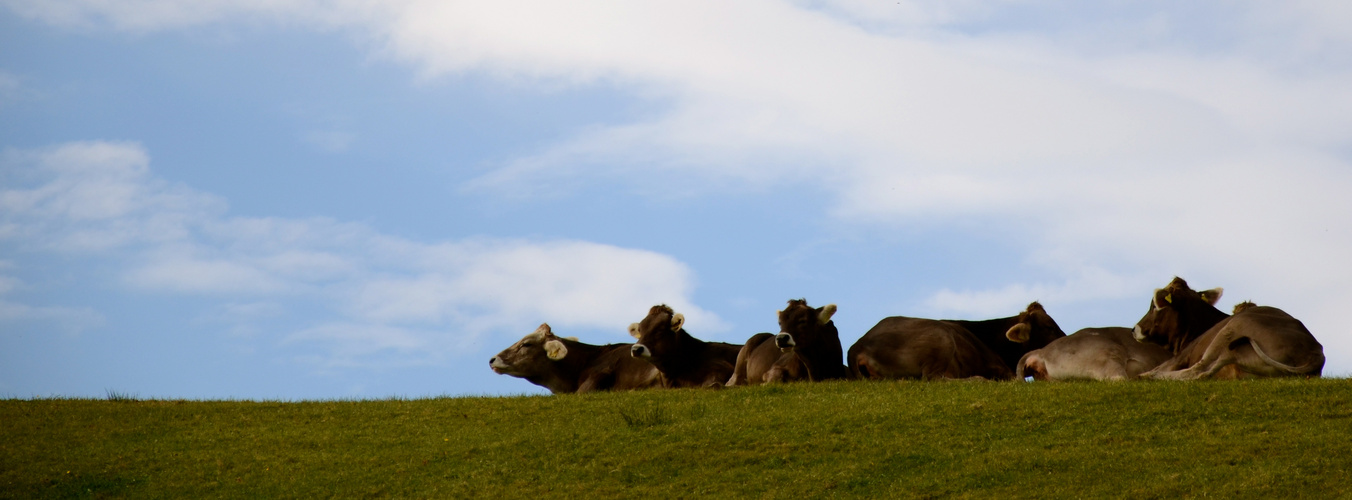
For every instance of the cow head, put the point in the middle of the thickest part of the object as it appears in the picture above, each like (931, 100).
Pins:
(531, 356)
(802, 326)
(1178, 314)
(1035, 328)
(659, 334)
(812, 337)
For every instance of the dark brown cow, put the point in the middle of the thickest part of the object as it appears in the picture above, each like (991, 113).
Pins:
(806, 348)
(1257, 341)
(683, 360)
(901, 347)
(562, 364)
(1014, 336)
(1107, 353)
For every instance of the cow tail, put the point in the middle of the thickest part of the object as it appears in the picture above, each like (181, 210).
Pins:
(1029, 365)
(1312, 366)
(857, 367)
(1018, 367)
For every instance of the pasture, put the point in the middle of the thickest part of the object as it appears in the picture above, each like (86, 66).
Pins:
(1283, 438)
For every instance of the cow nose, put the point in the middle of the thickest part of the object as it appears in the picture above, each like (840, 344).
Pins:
(1138, 334)
(784, 340)
(493, 360)
(639, 351)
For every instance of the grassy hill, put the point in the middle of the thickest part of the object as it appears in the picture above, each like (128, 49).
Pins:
(1267, 438)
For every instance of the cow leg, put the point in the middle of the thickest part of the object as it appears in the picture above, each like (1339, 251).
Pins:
(774, 375)
(1159, 372)
(1114, 373)
(1218, 355)
(739, 376)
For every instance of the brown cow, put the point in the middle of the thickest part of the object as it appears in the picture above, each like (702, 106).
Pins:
(562, 364)
(683, 360)
(901, 347)
(1107, 353)
(1179, 323)
(1257, 341)
(806, 348)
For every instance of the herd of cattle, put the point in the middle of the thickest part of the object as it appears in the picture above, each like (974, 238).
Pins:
(1182, 336)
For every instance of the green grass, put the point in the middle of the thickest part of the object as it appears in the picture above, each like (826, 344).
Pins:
(1251, 439)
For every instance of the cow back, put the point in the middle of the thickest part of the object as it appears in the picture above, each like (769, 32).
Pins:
(901, 347)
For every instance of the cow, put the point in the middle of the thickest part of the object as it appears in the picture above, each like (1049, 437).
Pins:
(683, 360)
(806, 348)
(1257, 341)
(902, 347)
(562, 364)
(1105, 353)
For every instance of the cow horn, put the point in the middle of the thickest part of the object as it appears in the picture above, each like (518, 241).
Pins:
(555, 350)
(677, 321)
(825, 315)
(633, 331)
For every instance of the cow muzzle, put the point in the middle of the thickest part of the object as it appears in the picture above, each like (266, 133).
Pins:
(784, 341)
(640, 351)
(497, 365)
(1138, 334)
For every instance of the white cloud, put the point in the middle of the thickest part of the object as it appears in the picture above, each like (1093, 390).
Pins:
(385, 293)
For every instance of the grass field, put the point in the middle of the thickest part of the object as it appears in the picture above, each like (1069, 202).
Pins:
(1252, 439)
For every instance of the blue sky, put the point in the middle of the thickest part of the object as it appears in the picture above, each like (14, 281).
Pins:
(308, 199)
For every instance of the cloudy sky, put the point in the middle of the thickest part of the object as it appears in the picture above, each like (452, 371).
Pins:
(294, 199)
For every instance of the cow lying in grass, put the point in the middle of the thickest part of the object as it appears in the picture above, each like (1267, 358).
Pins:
(1108, 353)
(901, 347)
(806, 348)
(683, 360)
(562, 364)
(1257, 341)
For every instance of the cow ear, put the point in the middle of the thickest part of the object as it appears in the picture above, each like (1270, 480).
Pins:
(1019, 333)
(1163, 298)
(633, 331)
(677, 321)
(555, 350)
(1212, 296)
(824, 315)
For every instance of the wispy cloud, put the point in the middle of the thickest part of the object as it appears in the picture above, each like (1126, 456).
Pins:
(101, 200)
(68, 320)
(330, 141)
(10, 88)
(1146, 139)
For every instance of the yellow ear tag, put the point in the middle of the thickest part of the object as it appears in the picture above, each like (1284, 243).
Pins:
(1169, 298)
